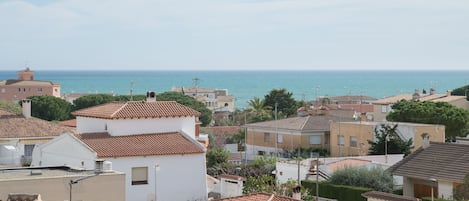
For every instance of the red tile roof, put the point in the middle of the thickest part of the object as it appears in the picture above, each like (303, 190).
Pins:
(259, 197)
(106, 145)
(69, 123)
(137, 109)
(387, 196)
(17, 126)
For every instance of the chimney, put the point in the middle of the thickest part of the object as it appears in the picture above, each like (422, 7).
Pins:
(151, 96)
(98, 166)
(297, 193)
(432, 91)
(416, 95)
(426, 140)
(363, 116)
(26, 105)
(197, 127)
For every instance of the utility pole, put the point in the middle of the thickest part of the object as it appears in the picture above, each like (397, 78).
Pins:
(245, 140)
(276, 131)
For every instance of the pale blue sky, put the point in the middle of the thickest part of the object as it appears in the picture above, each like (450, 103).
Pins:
(234, 34)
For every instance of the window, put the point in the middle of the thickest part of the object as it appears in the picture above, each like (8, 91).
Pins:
(139, 175)
(260, 153)
(39, 89)
(279, 138)
(315, 139)
(266, 137)
(384, 108)
(28, 150)
(353, 141)
(340, 140)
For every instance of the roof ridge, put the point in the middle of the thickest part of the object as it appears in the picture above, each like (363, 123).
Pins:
(302, 127)
(118, 110)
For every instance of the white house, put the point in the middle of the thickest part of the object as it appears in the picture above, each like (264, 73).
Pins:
(153, 143)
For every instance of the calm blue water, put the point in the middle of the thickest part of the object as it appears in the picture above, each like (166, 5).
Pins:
(245, 85)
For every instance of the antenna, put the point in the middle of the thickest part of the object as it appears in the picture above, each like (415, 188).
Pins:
(131, 89)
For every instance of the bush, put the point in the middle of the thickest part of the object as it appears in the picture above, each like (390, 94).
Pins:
(375, 178)
(339, 192)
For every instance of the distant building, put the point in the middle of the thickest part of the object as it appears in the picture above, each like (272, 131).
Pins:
(351, 138)
(53, 183)
(271, 137)
(382, 107)
(19, 134)
(349, 99)
(216, 100)
(25, 86)
(154, 143)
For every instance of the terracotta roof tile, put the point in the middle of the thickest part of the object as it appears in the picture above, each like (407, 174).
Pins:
(137, 109)
(441, 161)
(259, 197)
(307, 123)
(106, 145)
(17, 126)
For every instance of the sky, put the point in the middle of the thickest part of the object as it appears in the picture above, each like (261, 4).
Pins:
(234, 34)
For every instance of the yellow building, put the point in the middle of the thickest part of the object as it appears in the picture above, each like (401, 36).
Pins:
(272, 137)
(61, 182)
(354, 136)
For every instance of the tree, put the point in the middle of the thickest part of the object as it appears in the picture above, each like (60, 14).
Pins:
(375, 178)
(461, 91)
(286, 104)
(395, 145)
(206, 114)
(263, 183)
(259, 110)
(50, 108)
(462, 191)
(455, 119)
(217, 156)
(92, 100)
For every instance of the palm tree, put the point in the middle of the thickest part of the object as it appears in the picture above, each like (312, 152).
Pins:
(259, 109)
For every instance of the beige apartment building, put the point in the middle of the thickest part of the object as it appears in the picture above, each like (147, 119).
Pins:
(25, 86)
(382, 107)
(61, 182)
(354, 136)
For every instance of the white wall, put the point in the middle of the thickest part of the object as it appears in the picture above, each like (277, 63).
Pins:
(180, 177)
(289, 170)
(11, 157)
(90, 125)
(119, 127)
(445, 189)
(63, 150)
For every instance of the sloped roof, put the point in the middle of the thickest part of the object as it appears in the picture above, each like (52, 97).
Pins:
(173, 143)
(307, 123)
(423, 97)
(259, 197)
(441, 161)
(137, 109)
(17, 126)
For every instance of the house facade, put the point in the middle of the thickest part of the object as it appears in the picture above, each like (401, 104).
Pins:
(109, 185)
(272, 137)
(153, 143)
(216, 100)
(351, 138)
(25, 86)
(438, 166)
(382, 107)
(19, 134)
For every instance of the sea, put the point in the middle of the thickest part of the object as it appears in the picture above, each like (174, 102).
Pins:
(245, 85)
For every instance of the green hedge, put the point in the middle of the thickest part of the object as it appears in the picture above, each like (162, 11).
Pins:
(339, 192)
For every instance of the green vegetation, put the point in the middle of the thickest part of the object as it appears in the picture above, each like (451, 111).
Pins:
(10, 107)
(216, 157)
(375, 178)
(461, 91)
(455, 119)
(395, 145)
(50, 108)
(462, 192)
(258, 110)
(286, 104)
(263, 183)
(339, 192)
